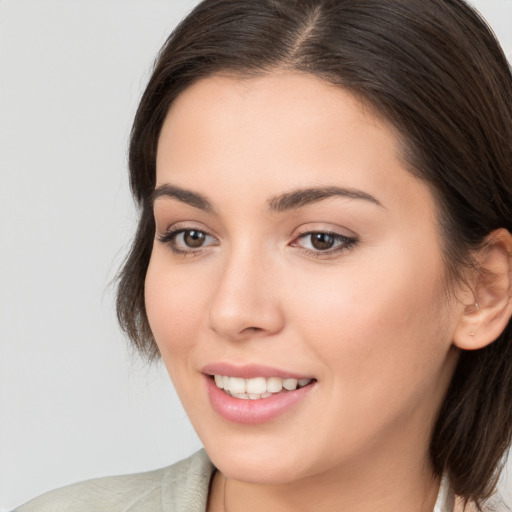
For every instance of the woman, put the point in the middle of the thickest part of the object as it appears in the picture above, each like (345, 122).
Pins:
(323, 259)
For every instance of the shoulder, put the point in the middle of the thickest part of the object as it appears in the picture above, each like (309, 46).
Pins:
(182, 486)
(493, 504)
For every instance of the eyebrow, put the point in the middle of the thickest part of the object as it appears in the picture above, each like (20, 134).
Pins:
(303, 197)
(283, 202)
(185, 196)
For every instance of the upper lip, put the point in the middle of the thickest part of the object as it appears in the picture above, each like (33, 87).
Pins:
(250, 371)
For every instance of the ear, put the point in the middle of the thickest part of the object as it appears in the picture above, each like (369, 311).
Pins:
(485, 318)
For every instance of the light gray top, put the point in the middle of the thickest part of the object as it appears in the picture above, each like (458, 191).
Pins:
(182, 487)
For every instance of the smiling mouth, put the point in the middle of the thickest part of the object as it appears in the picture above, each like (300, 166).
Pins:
(258, 387)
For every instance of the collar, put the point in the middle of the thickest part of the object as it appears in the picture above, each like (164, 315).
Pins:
(445, 498)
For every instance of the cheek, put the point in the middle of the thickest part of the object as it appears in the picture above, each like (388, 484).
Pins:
(174, 303)
(378, 322)
(381, 340)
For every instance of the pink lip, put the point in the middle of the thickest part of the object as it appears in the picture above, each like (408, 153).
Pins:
(252, 412)
(250, 371)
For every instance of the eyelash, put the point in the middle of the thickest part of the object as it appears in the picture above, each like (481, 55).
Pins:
(169, 239)
(345, 243)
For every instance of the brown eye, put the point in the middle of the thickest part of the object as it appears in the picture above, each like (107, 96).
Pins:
(188, 241)
(322, 241)
(193, 238)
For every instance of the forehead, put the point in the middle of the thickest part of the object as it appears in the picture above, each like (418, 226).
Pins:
(275, 112)
(250, 103)
(276, 132)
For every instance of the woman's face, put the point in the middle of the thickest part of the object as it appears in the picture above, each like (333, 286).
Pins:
(292, 243)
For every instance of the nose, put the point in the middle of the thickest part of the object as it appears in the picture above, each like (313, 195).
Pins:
(246, 300)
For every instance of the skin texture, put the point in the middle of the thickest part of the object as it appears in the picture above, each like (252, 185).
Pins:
(372, 323)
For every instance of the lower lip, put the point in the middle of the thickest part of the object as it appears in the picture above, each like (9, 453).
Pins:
(253, 412)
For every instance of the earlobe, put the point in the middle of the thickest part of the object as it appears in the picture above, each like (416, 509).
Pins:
(483, 320)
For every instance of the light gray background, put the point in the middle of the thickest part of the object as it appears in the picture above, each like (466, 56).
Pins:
(75, 403)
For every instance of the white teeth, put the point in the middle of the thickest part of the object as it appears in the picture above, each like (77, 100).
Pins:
(237, 385)
(274, 384)
(258, 387)
(219, 380)
(290, 384)
(243, 396)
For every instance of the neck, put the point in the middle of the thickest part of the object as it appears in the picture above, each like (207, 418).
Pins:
(353, 489)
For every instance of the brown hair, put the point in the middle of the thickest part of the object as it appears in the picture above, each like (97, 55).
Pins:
(435, 71)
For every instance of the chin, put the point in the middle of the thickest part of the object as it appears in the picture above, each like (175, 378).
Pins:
(260, 473)
(255, 465)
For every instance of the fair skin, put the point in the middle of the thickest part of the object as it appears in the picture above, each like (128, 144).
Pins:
(348, 290)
